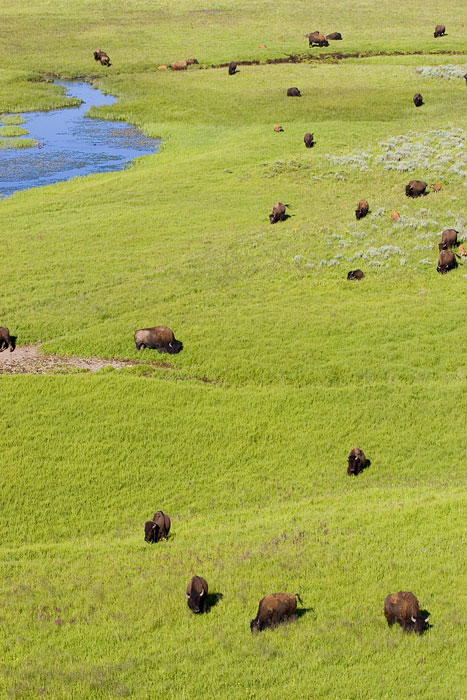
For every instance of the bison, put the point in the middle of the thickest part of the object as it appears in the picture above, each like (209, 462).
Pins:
(362, 209)
(437, 187)
(308, 139)
(417, 100)
(273, 609)
(448, 239)
(446, 261)
(334, 36)
(158, 338)
(403, 607)
(440, 30)
(462, 251)
(277, 128)
(355, 275)
(232, 68)
(415, 188)
(465, 78)
(101, 56)
(317, 39)
(5, 339)
(197, 594)
(178, 65)
(293, 92)
(395, 216)
(356, 461)
(158, 528)
(278, 213)
(192, 61)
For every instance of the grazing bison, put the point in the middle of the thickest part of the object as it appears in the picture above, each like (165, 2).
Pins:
(440, 30)
(355, 275)
(403, 608)
(293, 92)
(158, 338)
(448, 239)
(278, 213)
(158, 528)
(101, 56)
(273, 609)
(417, 100)
(415, 188)
(179, 65)
(462, 251)
(446, 261)
(197, 594)
(232, 68)
(5, 339)
(278, 128)
(192, 61)
(317, 39)
(362, 209)
(309, 142)
(356, 461)
(395, 215)
(334, 36)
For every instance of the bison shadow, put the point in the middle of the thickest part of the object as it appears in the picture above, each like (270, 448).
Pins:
(300, 612)
(212, 599)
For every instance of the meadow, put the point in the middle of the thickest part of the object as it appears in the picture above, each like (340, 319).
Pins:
(242, 438)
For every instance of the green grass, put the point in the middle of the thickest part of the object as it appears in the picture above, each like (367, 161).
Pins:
(12, 131)
(13, 119)
(243, 438)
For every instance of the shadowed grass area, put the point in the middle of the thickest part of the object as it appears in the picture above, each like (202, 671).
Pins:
(243, 438)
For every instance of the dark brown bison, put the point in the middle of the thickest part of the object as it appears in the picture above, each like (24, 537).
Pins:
(355, 275)
(448, 239)
(317, 39)
(334, 36)
(403, 608)
(356, 461)
(278, 213)
(440, 30)
(158, 528)
(309, 142)
(179, 65)
(197, 594)
(101, 56)
(273, 609)
(293, 92)
(465, 77)
(362, 209)
(446, 261)
(5, 339)
(417, 100)
(158, 338)
(415, 188)
(232, 68)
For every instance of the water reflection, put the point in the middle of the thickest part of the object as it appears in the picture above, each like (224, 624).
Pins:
(71, 144)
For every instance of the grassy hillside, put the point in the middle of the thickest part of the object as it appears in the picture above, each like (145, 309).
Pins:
(243, 437)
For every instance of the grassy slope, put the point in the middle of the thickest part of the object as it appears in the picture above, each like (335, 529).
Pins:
(252, 467)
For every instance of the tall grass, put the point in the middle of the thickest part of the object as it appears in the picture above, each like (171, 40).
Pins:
(243, 437)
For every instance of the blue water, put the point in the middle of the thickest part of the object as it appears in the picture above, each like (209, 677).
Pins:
(71, 144)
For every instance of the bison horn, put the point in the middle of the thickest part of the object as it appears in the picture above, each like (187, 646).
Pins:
(427, 618)
(413, 619)
(187, 595)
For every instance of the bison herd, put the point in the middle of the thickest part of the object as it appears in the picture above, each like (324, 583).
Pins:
(401, 607)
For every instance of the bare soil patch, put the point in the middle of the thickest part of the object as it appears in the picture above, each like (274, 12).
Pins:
(27, 359)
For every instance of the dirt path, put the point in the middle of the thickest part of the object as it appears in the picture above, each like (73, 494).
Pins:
(27, 359)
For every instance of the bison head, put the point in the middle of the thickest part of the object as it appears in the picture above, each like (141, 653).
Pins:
(255, 626)
(174, 347)
(151, 531)
(197, 601)
(419, 623)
